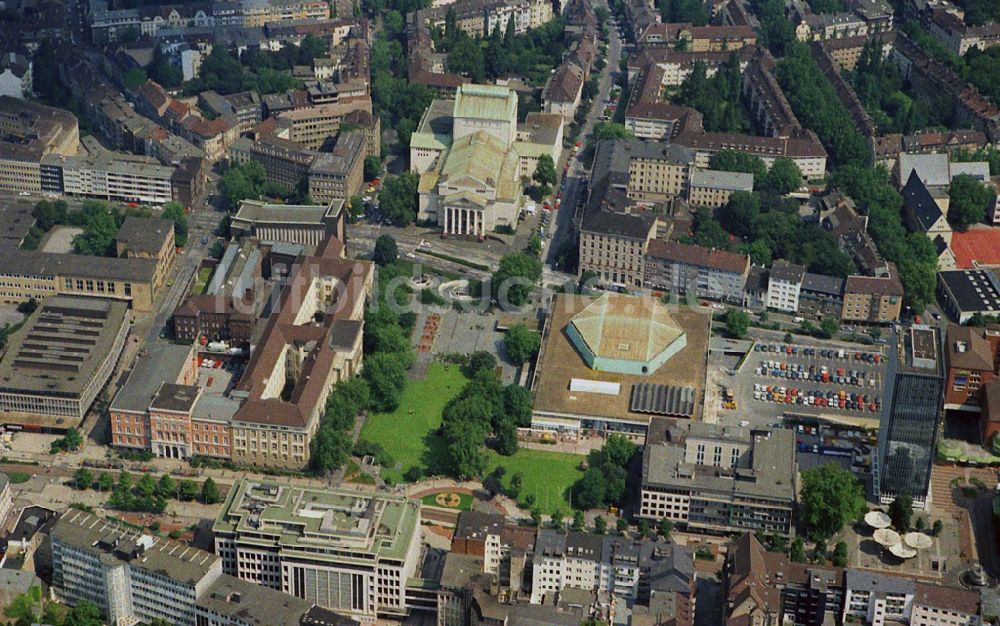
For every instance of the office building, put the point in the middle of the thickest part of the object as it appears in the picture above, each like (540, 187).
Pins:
(719, 479)
(28, 132)
(907, 440)
(148, 238)
(873, 299)
(312, 126)
(339, 174)
(351, 552)
(125, 178)
(57, 363)
(134, 577)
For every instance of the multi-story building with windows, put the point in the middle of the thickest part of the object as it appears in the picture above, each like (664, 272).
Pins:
(285, 162)
(134, 577)
(657, 170)
(719, 479)
(784, 286)
(28, 132)
(312, 126)
(351, 552)
(311, 341)
(873, 299)
(652, 577)
(57, 363)
(339, 174)
(712, 188)
(688, 269)
(125, 178)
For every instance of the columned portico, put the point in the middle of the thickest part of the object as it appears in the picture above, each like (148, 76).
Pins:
(462, 221)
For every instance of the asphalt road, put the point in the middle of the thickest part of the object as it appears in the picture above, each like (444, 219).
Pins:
(563, 222)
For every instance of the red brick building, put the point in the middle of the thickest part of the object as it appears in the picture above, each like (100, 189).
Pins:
(971, 358)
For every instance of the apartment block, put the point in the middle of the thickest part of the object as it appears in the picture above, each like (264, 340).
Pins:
(711, 188)
(718, 479)
(619, 569)
(268, 532)
(657, 171)
(688, 269)
(873, 299)
(784, 286)
(806, 151)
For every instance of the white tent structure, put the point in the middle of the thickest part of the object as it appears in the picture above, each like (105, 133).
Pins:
(877, 519)
(917, 541)
(886, 537)
(902, 551)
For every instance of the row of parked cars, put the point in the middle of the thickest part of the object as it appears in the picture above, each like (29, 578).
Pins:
(841, 399)
(867, 357)
(819, 374)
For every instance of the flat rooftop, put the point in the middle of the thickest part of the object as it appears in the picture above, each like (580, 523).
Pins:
(253, 211)
(359, 527)
(160, 362)
(115, 543)
(61, 346)
(146, 235)
(561, 363)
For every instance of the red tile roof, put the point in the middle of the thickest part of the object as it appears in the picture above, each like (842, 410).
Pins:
(976, 247)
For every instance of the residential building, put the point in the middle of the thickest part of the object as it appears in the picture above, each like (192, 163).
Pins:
(564, 89)
(215, 317)
(648, 116)
(767, 588)
(613, 244)
(267, 533)
(677, 65)
(716, 479)
(767, 101)
(877, 599)
(873, 299)
(124, 178)
(959, 38)
(784, 286)
(709, 38)
(339, 174)
(657, 171)
(806, 151)
(821, 296)
(688, 269)
(244, 106)
(712, 188)
(49, 371)
(615, 568)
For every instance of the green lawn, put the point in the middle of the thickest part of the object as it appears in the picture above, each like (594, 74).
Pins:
(547, 475)
(201, 282)
(406, 433)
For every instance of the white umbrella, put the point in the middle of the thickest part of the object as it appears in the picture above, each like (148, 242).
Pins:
(877, 519)
(917, 541)
(886, 537)
(902, 551)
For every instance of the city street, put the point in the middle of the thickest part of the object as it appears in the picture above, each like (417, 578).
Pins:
(564, 217)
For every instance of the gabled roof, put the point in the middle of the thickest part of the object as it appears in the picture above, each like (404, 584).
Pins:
(919, 202)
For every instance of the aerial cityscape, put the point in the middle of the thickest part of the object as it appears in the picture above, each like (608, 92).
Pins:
(499, 312)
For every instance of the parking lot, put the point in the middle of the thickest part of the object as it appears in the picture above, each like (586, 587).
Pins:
(780, 380)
